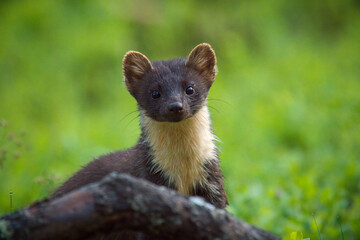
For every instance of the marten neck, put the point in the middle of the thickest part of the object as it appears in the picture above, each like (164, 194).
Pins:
(180, 149)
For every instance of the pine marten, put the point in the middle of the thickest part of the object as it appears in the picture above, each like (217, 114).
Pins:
(176, 148)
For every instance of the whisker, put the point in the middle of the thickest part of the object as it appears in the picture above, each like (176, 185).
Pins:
(123, 118)
(131, 121)
(220, 100)
(214, 108)
(196, 106)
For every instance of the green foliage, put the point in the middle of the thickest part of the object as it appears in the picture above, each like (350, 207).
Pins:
(296, 236)
(287, 102)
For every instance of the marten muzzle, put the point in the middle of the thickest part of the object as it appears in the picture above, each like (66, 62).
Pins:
(175, 108)
(175, 111)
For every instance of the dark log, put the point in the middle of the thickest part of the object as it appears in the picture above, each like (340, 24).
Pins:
(121, 202)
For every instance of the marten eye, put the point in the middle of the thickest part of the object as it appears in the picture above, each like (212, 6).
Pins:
(155, 94)
(190, 91)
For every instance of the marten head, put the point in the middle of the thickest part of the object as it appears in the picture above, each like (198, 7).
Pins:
(173, 90)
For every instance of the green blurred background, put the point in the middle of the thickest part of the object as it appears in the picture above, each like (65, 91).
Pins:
(286, 102)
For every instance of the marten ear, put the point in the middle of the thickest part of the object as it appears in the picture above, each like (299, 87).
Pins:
(135, 65)
(202, 58)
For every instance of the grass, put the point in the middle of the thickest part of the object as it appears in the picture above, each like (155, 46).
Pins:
(287, 106)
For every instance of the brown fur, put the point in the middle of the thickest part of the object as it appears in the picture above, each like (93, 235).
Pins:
(176, 148)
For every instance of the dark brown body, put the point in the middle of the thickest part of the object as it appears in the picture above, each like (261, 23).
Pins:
(137, 162)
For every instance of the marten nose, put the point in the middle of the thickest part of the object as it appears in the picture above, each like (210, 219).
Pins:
(175, 107)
